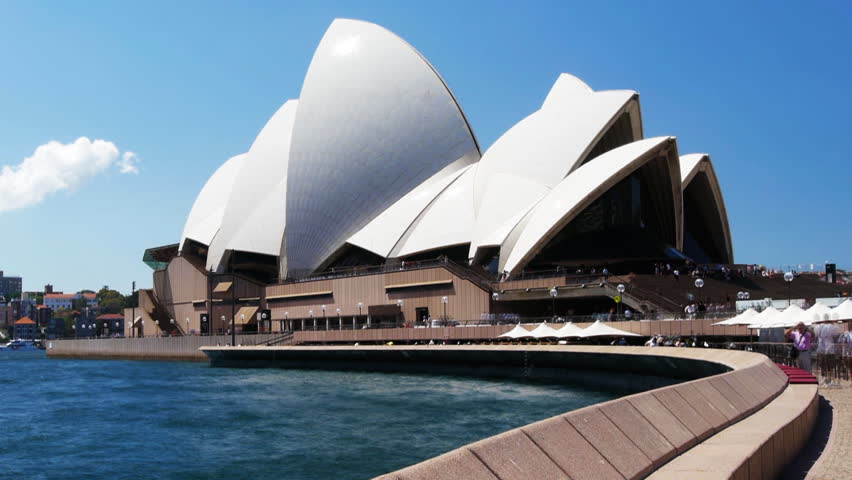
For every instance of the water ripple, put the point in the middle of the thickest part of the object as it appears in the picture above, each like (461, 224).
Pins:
(124, 420)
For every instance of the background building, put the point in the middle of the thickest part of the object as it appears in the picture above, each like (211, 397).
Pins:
(25, 329)
(55, 301)
(10, 286)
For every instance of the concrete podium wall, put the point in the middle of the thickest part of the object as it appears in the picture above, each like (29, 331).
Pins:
(148, 348)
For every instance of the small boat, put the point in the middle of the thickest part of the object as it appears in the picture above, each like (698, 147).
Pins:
(19, 345)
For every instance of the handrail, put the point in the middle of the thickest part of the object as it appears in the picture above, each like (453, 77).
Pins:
(275, 341)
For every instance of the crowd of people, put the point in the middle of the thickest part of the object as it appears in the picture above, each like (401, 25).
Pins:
(658, 340)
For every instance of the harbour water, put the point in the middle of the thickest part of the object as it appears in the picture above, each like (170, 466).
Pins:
(99, 419)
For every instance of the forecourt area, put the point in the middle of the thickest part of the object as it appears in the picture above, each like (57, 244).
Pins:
(736, 416)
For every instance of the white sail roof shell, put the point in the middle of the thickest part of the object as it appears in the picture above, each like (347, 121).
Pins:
(690, 165)
(255, 217)
(375, 121)
(381, 235)
(207, 211)
(539, 151)
(448, 221)
(576, 192)
(378, 154)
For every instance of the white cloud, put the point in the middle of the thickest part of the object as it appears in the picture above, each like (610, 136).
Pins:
(129, 163)
(55, 166)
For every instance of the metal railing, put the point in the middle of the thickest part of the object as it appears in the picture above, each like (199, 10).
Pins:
(829, 366)
(371, 269)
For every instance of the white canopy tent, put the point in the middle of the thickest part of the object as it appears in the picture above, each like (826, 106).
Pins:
(819, 312)
(570, 330)
(789, 317)
(599, 329)
(743, 318)
(842, 311)
(544, 331)
(764, 318)
(517, 332)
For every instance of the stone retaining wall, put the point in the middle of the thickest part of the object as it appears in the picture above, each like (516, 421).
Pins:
(147, 348)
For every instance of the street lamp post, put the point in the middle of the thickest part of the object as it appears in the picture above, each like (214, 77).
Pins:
(324, 317)
(157, 323)
(339, 321)
(133, 305)
(286, 321)
(553, 294)
(494, 297)
(444, 301)
(620, 289)
(223, 324)
(313, 320)
(360, 306)
(699, 284)
(399, 304)
(187, 325)
(243, 320)
(788, 277)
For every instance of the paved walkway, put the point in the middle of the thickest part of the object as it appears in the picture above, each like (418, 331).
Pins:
(835, 462)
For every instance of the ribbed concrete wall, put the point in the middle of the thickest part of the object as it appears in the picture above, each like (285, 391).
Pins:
(149, 348)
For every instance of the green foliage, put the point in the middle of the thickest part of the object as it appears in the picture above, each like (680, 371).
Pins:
(111, 301)
(132, 300)
(78, 304)
(64, 314)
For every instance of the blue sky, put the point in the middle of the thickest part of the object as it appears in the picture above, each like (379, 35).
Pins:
(761, 86)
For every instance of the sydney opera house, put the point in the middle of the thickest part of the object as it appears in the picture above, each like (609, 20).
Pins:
(369, 199)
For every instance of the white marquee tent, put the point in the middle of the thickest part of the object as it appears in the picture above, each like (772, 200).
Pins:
(599, 329)
(764, 318)
(570, 330)
(544, 331)
(819, 312)
(842, 311)
(517, 332)
(743, 318)
(789, 317)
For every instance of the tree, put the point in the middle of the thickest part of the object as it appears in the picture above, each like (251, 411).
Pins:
(110, 301)
(132, 300)
(79, 304)
(66, 316)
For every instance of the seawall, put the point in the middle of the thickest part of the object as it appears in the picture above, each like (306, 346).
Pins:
(147, 348)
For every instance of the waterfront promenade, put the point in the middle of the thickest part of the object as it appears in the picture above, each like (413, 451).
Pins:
(186, 347)
(835, 460)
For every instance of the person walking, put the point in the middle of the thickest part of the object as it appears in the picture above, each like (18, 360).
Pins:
(802, 338)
